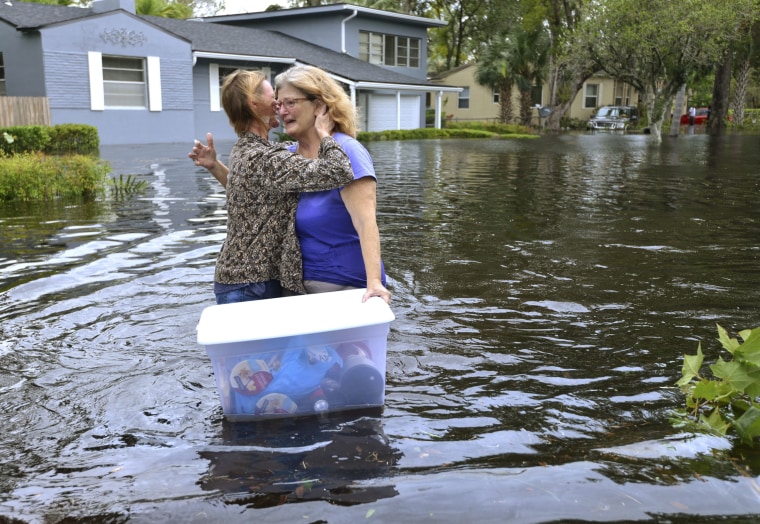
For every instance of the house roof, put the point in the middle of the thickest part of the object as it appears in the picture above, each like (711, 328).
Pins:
(444, 74)
(349, 9)
(227, 41)
(208, 37)
(24, 16)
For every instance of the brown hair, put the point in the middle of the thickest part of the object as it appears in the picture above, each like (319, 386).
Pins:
(239, 88)
(318, 85)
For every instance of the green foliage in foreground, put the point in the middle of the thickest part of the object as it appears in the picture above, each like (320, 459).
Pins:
(126, 187)
(426, 133)
(727, 400)
(36, 176)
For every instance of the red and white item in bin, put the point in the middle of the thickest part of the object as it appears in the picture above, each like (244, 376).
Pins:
(250, 376)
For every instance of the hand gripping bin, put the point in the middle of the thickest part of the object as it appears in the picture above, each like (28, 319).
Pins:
(297, 355)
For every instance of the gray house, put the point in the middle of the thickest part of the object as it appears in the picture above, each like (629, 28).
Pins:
(142, 79)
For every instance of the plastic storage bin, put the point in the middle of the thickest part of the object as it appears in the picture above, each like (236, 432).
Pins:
(297, 355)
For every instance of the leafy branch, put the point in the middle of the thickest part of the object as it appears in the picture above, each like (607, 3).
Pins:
(727, 399)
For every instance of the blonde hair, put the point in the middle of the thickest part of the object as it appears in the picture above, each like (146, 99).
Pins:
(238, 89)
(318, 85)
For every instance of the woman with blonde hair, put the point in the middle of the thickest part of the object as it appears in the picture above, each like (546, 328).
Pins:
(260, 256)
(337, 229)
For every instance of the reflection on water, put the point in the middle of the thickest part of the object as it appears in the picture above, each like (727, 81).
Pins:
(271, 463)
(545, 292)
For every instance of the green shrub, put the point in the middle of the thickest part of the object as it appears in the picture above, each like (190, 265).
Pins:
(417, 134)
(23, 139)
(492, 127)
(68, 139)
(422, 133)
(726, 399)
(575, 124)
(36, 176)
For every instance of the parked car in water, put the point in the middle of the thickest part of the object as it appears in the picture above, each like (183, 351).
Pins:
(613, 118)
(702, 113)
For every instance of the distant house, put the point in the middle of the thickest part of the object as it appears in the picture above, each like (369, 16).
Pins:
(143, 79)
(480, 103)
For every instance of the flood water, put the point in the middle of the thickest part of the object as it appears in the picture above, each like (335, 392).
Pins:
(545, 292)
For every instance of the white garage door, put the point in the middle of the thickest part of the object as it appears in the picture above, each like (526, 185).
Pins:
(382, 112)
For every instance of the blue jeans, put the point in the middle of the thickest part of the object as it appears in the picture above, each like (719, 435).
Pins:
(253, 291)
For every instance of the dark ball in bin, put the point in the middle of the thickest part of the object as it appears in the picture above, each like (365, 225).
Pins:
(361, 382)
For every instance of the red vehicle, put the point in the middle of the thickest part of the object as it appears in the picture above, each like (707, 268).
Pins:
(699, 119)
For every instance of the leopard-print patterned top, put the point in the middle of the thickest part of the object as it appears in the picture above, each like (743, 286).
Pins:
(262, 195)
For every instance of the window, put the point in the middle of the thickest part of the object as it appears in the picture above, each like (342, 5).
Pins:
(389, 50)
(216, 75)
(124, 82)
(225, 71)
(591, 97)
(2, 76)
(464, 98)
(495, 96)
(536, 95)
(622, 94)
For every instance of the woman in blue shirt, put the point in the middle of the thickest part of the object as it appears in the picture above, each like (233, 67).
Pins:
(340, 240)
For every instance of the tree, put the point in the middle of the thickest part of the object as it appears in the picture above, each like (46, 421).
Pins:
(528, 59)
(569, 61)
(746, 56)
(657, 62)
(163, 9)
(493, 71)
(518, 59)
(454, 44)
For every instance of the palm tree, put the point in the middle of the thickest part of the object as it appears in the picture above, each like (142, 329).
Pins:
(520, 59)
(493, 71)
(527, 58)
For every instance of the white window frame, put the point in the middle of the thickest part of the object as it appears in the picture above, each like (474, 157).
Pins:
(140, 87)
(151, 68)
(155, 101)
(622, 94)
(389, 50)
(587, 96)
(464, 98)
(215, 81)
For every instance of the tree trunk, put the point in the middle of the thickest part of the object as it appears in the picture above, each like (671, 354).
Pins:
(526, 109)
(654, 115)
(675, 120)
(505, 103)
(740, 93)
(716, 125)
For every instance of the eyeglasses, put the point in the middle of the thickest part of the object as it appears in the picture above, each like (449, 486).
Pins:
(289, 103)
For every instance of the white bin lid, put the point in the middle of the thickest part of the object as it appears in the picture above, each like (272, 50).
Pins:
(290, 316)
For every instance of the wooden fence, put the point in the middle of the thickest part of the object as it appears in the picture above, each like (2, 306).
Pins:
(24, 111)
